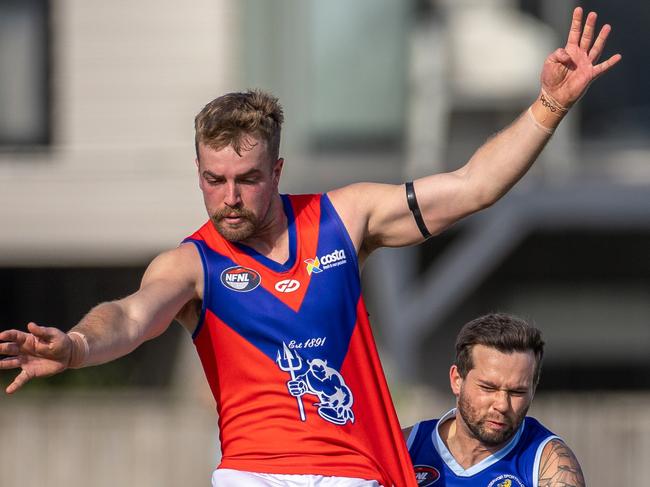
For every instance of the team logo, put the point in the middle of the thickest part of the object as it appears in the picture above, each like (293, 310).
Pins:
(426, 475)
(328, 261)
(506, 480)
(316, 378)
(287, 286)
(240, 279)
(313, 266)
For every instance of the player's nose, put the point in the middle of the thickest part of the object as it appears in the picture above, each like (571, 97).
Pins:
(232, 197)
(501, 401)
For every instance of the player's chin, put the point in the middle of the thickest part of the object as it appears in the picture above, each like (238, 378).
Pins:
(495, 433)
(235, 231)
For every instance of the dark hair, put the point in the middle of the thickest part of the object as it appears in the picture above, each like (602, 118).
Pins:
(501, 331)
(233, 118)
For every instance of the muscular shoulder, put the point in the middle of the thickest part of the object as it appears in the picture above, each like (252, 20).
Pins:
(176, 271)
(177, 274)
(559, 466)
(183, 262)
(361, 207)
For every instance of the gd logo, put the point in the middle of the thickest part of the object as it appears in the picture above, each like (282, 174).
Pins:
(287, 286)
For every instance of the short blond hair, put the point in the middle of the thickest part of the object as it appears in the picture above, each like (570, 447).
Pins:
(232, 119)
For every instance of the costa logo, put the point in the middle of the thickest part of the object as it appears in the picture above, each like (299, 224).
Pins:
(313, 266)
(336, 256)
(324, 262)
(287, 286)
(240, 279)
(426, 475)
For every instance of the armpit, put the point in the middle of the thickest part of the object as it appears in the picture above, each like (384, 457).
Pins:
(189, 314)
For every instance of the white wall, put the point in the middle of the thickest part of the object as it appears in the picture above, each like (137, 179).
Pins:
(118, 184)
(145, 439)
(136, 439)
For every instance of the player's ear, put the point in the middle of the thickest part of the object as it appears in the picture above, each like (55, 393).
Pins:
(196, 158)
(277, 171)
(455, 380)
(198, 172)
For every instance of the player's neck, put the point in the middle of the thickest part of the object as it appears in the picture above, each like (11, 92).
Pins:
(272, 237)
(466, 449)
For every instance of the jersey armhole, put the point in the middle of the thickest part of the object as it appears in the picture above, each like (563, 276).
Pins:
(538, 457)
(329, 207)
(206, 284)
(412, 435)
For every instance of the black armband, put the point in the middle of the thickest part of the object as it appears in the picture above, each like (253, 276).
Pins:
(415, 209)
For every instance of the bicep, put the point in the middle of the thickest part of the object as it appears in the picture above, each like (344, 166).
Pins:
(378, 215)
(169, 283)
(559, 467)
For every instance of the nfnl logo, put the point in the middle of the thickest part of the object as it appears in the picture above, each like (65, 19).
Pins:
(426, 475)
(240, 279)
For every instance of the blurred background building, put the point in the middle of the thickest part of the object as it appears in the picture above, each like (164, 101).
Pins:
(97, 101)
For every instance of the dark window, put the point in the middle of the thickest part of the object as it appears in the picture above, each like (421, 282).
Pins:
(618, 105)
(616, 109)
(60, 297)
(24, 73)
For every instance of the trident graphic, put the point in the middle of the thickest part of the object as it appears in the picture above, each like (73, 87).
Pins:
(289, 363)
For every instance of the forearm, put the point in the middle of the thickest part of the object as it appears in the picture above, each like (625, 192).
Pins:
(109, 333)
(506, 157)
(383, 216)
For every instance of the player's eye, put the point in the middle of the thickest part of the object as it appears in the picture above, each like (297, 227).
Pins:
(214, 181)
(247, 180)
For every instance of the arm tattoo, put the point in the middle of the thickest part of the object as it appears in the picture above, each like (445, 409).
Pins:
(559, 467)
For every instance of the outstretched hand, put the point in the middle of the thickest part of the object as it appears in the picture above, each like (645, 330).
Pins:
(41, 352)
(568, 71)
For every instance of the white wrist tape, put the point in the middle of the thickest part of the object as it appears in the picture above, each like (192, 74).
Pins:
(80, 350)
(537, 124)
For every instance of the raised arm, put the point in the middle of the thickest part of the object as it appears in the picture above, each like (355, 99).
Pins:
(377, 215)
(112, 329)
(559, 467)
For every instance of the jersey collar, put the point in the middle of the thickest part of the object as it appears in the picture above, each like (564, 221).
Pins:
(291, 224)
(448, 458)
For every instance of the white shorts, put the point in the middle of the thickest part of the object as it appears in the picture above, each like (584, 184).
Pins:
(225, 477)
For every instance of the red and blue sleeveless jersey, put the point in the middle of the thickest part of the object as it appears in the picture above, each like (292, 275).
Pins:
(289, 355)
(515, 465)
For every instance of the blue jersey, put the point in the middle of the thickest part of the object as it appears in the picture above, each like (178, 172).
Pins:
(515, 465)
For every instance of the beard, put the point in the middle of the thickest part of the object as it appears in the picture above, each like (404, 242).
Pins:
(478, 425)
(235, 232)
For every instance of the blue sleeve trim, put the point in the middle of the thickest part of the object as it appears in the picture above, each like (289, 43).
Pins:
(206, 284)
(411, 439)
(538, 457)
(329, 207)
